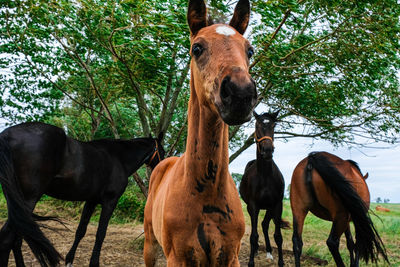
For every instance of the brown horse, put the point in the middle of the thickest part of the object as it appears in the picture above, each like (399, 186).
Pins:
(193, 208)
(334, 189)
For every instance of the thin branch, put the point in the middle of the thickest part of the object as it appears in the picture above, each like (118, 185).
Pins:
(91, 80)
(249, 141)
(286, 15)
(313, 42)
(50, 80)
(172, 148)
(141, 103)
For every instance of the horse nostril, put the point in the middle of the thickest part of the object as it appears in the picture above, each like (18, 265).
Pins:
(226, 91)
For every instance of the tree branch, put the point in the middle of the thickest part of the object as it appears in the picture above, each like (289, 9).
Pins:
(286, 15)
(249, 141)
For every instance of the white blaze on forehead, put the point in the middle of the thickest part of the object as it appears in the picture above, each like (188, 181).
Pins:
(225, 30)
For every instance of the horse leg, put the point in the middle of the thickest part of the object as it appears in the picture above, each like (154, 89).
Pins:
(87, 212)
(265, 226)
(150, 246)
(298, 223)
(17, 246)
(333, 241)
(19, 259)
(253, 211)
(278, 234)
(351, 247)
(107, 209)
(7, 240)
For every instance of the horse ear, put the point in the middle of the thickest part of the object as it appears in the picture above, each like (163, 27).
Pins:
(241, 16)
(275, 114)
(160, 136)
(255, 114)
(366, 176)
(196, 16)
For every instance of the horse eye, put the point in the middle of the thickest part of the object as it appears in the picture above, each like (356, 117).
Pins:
(197, 50)
(250, 52)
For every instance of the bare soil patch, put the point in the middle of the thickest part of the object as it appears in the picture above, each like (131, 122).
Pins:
(123, 246)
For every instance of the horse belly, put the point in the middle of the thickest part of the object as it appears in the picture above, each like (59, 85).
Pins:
(66, 188)
(75, 186)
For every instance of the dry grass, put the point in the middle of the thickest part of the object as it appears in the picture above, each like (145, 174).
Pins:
(123, 245)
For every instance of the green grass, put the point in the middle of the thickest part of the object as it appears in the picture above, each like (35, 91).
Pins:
(130, 207)
(316, 232)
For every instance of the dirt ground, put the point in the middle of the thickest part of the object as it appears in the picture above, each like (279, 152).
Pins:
(124, 243)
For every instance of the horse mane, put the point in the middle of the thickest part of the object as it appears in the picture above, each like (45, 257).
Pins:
(355, 164)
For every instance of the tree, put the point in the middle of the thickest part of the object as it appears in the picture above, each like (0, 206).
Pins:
(118, 72)
(237, 178)
(120, 68)
(97, 68)
(378, 200)
(330, 67)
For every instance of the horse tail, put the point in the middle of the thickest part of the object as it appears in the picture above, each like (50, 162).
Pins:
(368, 242)
(20, 218)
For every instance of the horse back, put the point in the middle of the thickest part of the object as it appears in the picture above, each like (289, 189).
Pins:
(350, 172)
(36, 148)
(88, 172)
(315, 194)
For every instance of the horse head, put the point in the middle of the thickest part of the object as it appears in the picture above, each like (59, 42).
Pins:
(220, 63)
(264, 133)
(158, 151)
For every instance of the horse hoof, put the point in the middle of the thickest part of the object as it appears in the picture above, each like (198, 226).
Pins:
(69, 265)
(269, 256)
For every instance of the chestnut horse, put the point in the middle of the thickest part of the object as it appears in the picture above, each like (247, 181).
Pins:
(193, 208)
(262, 187)
(334, 189)
(38, 158)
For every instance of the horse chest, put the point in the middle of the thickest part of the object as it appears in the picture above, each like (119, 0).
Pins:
(210, 231)
(210, 239)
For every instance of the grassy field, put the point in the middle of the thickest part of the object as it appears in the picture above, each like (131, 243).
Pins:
(316, 232)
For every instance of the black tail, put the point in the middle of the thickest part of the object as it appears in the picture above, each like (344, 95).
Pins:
(20, 218)
(368, 241)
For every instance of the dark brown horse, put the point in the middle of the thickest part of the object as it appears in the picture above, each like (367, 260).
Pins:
(193, 208)
(37, 159)
(262, 187)
(334, 189)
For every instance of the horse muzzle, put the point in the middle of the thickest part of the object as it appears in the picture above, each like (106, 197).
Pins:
(238, 98)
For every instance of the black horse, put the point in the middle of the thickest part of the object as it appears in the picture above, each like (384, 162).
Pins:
(37, 159)
(262, 187)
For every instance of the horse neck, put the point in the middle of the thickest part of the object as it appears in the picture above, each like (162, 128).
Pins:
(132, 154)
(264, 167)
(206, 156)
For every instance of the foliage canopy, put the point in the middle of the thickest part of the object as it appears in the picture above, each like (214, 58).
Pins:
(120, 68)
